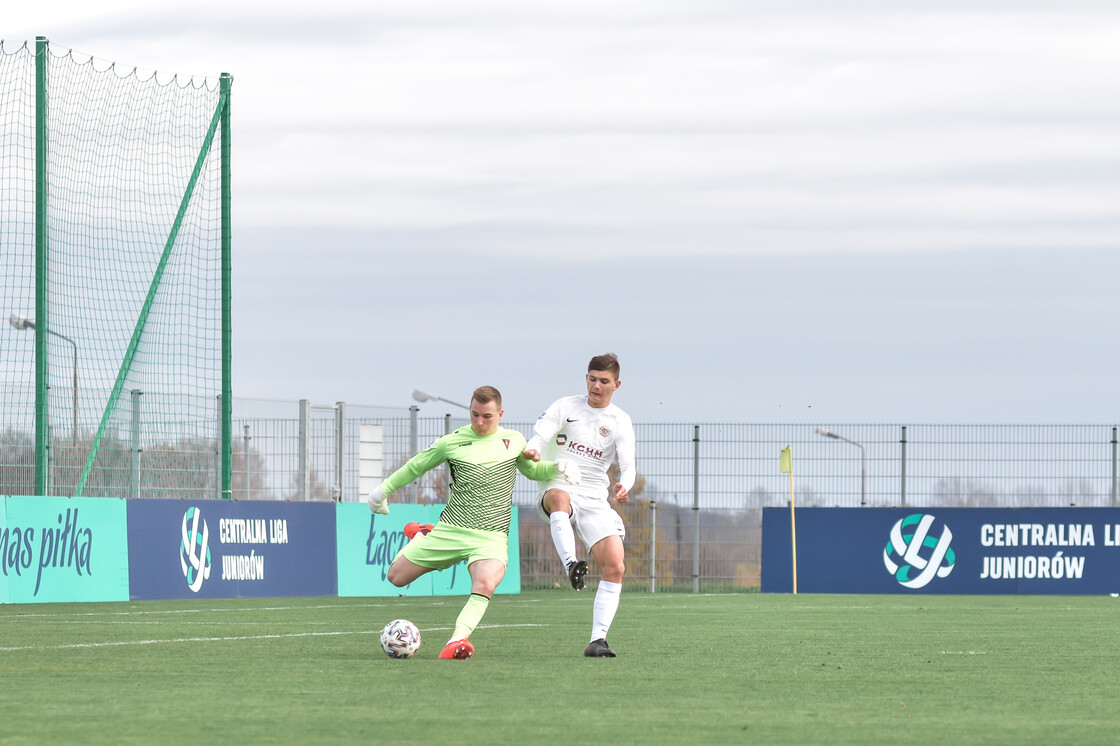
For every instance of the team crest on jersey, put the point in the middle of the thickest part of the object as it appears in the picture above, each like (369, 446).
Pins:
(604, 431)
(506, 441)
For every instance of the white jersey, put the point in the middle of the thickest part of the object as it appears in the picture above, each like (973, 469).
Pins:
(595, 438)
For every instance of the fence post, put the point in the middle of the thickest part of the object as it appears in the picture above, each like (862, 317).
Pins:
(304, 456)
(245, 481)
(340, 450)
(652, 546)
(904, 466)
(134, 477)
(696, 508)
(50, 460)
(1114, 467)
(413, 447)
(447, 466)
(219, 492)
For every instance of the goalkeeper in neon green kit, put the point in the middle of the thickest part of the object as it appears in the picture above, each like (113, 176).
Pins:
(483, 458)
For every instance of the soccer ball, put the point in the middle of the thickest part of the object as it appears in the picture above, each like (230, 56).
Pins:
(400, 638)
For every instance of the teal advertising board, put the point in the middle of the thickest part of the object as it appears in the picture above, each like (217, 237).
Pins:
(59, 549)
(63, 549)
(367, 544)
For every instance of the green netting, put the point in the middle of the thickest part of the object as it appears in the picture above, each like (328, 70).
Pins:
(134, 281)
(17, 263)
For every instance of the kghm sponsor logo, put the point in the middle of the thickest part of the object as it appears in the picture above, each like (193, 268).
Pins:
(914, 556)
(590, 452)
(580, 448)
(194, 549)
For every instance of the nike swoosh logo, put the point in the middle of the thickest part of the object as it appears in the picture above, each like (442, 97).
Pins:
(571, 420)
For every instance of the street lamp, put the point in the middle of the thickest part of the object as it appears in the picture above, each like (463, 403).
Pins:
(862, 462)
(422, 396)
(21, 322)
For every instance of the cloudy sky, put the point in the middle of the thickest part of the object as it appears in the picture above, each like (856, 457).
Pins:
(796, 211)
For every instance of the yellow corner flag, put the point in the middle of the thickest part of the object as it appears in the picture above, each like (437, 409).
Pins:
(787, 468)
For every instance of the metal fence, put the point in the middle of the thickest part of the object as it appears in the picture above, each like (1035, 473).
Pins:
(695, 518)
(694, 521)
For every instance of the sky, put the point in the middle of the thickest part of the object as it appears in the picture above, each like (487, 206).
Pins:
(798, 211)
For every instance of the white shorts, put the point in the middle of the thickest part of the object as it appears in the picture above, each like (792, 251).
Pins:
(592, 517)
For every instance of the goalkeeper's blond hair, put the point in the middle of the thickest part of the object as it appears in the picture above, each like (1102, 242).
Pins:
(487, 394)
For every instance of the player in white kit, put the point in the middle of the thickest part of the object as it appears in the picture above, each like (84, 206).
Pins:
(594, 433)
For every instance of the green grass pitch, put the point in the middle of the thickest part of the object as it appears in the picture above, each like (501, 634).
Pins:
(725, 668)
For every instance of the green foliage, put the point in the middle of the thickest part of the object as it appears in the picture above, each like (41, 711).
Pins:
(729, 668)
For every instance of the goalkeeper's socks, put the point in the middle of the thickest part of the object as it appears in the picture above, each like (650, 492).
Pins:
(606, 604)
(563, 537)
(470, 616)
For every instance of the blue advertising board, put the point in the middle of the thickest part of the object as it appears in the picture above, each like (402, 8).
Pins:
(62, 549)
(945, 551)
(220, 549)
(367, 544)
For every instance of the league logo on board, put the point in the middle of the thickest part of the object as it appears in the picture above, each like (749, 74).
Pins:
(914, 556)
(194, 549)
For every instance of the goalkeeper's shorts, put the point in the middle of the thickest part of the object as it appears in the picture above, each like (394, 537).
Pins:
(445, 545)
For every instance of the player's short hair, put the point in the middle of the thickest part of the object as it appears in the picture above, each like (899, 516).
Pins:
(487, 394)
(607, 361)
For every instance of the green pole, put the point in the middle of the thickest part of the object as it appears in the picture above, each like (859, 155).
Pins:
(42, 422)
(227, 377)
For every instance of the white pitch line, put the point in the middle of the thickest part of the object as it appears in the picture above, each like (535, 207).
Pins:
(140, 612)
(183, 623)
(181, 639)
(234, 639)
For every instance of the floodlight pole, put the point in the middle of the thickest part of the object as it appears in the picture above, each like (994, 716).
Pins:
(862, 462)
(19, 321)
(422, 396)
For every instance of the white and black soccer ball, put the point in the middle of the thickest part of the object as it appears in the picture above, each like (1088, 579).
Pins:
(400, 638)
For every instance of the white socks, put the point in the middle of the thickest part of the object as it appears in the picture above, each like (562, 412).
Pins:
(606, 604)
(607, 595)
(563, 537)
